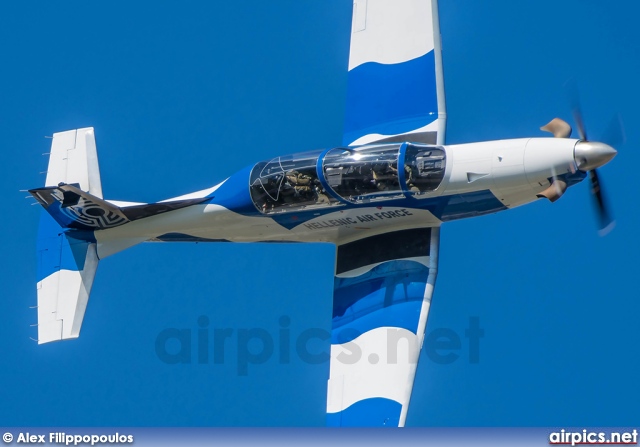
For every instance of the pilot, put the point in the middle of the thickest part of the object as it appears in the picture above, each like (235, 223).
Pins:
(409, 178)
(301, 183)
(320, 194)
(368, 179)
(385, 176)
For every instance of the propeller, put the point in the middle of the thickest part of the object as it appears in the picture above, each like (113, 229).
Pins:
(576, 108)
(614, 135)
(560, 129)
(555, 190)
(606, 222)
(589, 155)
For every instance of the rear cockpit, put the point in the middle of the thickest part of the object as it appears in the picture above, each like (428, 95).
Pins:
(363, 174)
(366, 174)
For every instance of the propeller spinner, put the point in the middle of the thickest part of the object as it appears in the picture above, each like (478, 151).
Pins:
(588, 156)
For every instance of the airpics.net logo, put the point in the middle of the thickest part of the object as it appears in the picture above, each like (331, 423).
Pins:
(247, 347)
(586, 437)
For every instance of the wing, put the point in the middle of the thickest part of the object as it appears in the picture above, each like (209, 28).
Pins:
(395, 84)
(384, 284)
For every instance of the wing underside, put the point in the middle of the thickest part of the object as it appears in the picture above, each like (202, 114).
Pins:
(382, 293)
(395, 84)
(384, 283)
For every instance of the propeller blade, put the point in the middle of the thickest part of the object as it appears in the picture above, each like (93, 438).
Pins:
(590, 155)
(606, 223)
(554, 191)
(558, 127)
(615, 135)
(576, 108)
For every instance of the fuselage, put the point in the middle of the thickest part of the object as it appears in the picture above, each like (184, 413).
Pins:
(343, 194)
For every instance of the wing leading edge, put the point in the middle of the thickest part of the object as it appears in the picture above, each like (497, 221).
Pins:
(384, 284)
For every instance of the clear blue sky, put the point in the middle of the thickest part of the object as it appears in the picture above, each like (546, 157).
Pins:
(183, 95)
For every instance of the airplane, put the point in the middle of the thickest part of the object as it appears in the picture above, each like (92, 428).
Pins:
(381, 198)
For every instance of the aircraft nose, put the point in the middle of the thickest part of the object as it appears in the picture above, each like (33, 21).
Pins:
(591, 154)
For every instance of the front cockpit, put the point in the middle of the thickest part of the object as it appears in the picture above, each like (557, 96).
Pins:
(366, 174)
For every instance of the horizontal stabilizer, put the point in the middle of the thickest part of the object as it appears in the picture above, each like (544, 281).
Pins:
(66, 269)
(67, 249)
(74, 160)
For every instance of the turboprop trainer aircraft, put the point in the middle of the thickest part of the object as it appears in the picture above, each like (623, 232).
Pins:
(381, 198)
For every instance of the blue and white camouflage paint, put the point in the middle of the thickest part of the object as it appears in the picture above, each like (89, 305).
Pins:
(380, 309)
(380, 198)
(394, 61)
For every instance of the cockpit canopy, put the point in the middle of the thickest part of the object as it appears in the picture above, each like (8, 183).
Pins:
(364, 174)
